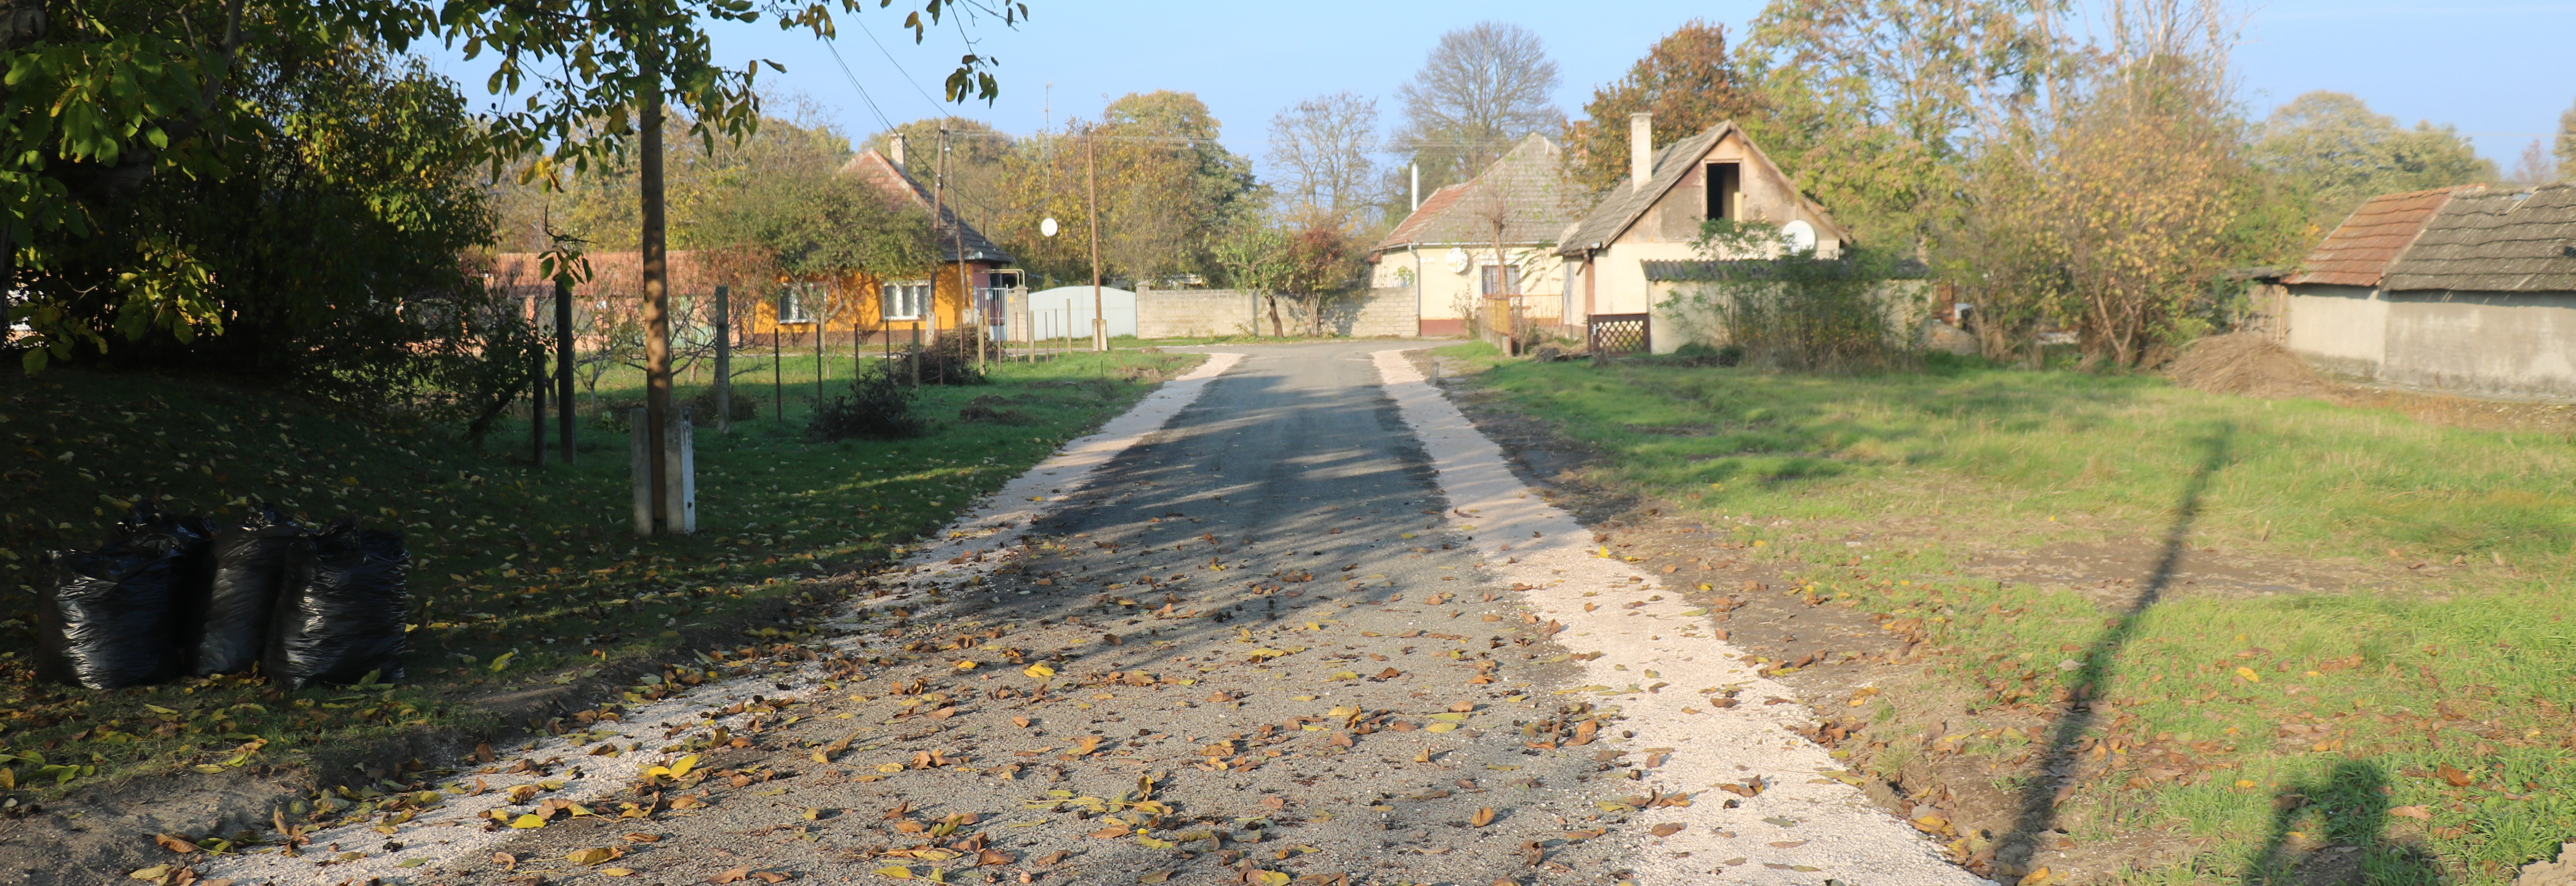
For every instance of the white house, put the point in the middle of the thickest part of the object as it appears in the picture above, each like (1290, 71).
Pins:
(1492, 237)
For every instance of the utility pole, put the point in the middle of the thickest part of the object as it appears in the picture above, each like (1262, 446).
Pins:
(957, 236)
(1091, 191)
(657, 297)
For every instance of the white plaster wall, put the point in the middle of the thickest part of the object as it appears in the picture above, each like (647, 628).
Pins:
(2519, 344)
(2341, 328)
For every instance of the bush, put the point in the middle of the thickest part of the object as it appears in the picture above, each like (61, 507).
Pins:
(1778, 306)
(946, 360)
(746, 406)
(879, 408)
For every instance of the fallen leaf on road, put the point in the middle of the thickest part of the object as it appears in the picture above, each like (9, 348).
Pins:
(1022, 722)
(1155, 877)
(1483, 817)
(507, 861)
(1666, 829)
(617, 872)
(174, 844)
(895, 871)
(641, 838)
(595, 855)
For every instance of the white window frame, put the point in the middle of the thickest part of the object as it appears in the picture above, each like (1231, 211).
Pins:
(791, 305)
(903, 299)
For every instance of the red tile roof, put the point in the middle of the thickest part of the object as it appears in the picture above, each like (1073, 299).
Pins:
(2360, 250)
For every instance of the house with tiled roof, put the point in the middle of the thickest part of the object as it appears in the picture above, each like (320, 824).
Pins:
(2468, 289)
(1633, 250)
(1483, 246)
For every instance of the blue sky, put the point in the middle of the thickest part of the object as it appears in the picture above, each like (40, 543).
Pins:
(2491, 69)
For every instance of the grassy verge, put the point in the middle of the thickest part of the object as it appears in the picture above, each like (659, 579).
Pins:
(2425, 721)
(523, 578)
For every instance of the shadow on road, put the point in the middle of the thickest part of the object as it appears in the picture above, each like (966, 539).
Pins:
(2054, 778)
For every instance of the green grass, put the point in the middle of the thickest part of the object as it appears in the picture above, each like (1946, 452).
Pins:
(521, 576)
(2340, 695)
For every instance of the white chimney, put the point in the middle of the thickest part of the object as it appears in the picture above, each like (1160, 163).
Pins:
(895, 150)
(1641, 150)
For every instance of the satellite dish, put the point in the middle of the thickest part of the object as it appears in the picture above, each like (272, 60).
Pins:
(1457, 260)
(1047, 226)
(1800, 235)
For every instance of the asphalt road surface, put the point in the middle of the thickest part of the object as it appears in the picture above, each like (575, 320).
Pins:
(1259, 645)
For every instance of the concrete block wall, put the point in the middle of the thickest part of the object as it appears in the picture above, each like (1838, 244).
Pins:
(1194, 313)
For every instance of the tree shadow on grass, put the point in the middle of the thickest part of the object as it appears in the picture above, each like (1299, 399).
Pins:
(2331, 831)
(2055, 778)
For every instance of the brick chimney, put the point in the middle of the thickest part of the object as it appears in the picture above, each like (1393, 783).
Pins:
(1641, 150)
(894, 150)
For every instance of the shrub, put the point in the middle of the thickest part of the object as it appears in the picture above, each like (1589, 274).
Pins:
(947, 360)
(879, 407)
(1782, 307)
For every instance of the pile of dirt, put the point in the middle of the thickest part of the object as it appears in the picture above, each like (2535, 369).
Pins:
(2246, 364)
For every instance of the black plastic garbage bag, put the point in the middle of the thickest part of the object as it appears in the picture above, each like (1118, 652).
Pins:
(339, 612)
(108, 615)
(225, 622)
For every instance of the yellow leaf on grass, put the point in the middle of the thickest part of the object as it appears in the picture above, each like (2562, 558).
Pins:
(2249, 675)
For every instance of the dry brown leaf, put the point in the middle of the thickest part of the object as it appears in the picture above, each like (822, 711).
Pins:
(993, 857)
(1482, 817)
(594, 855)
(1462, 707)
(507, 861)
(771, 876)
(1666, 829)
(1055, 857)
(1022, 722)
(736, 875)
(642, 838)
(2457, 778)
(174, 844)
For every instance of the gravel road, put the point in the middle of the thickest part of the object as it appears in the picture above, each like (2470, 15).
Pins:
(1291, 621)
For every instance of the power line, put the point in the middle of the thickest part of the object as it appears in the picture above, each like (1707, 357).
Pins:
(935, 109)
(871, 101)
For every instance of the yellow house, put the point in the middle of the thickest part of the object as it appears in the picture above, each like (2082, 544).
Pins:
(879, 309)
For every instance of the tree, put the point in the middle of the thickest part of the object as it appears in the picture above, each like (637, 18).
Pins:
(2534, 167)
(1323, 144)
(1481, 90)
(2337, 153)
(2565, 148)
(1872, 106)
(1304, 262)
(1686, 80)
(322, 260)
(1168, 190)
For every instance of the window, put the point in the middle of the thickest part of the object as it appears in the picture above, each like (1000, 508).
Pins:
(792, 307)
(1725, 191)
(1500, 280)
(906, 299)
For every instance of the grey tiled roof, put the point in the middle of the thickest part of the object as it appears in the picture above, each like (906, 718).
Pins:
(2494, 240)
(1528, 186)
